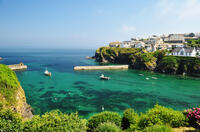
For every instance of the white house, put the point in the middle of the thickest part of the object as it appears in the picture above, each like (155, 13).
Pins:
(190, 51)
(175, 38)
(139, 44)
(126, 44)
(114, 44)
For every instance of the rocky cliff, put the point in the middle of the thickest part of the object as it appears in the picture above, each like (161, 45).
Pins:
(136, 58)
(157, 61)
(12, 95)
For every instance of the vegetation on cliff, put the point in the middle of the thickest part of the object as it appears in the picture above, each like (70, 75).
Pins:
(11, 93)
(136, 58)
(9, 85)
(157, 61)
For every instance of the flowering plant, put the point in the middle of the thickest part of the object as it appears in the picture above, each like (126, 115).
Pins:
(194, 114)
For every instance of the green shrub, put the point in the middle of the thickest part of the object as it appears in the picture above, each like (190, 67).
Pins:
(10, 121)
(107, 127)
(102, 117)
(158, 128)
(56, 121)
(130, 118)
(162, 115)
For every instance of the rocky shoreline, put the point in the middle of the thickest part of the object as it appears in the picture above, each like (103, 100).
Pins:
(151, 61)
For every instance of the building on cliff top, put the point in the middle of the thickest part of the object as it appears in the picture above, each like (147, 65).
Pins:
(189, 51)
(114, 44)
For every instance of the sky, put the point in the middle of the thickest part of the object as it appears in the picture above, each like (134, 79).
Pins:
(89, 24)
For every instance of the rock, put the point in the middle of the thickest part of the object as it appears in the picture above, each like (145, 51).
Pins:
(21, 105)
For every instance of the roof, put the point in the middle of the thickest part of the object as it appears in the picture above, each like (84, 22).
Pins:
(187, 50)
(114, 43)
(126, 41)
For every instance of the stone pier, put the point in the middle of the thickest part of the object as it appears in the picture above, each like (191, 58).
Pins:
(20, 66)
(116, 67)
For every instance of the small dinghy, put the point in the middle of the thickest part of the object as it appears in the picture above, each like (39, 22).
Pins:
(154, 78)
(47, 73)
(104, 78)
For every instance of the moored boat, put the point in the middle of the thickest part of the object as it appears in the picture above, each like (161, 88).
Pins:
(104, 78)
(47, 73)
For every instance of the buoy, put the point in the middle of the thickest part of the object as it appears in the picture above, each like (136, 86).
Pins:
(102, 108)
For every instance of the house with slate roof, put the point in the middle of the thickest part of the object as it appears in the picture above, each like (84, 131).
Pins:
(189, 51)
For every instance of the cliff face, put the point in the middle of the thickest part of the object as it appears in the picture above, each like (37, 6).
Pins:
(21, 106)
(12, 95)
(136, 58)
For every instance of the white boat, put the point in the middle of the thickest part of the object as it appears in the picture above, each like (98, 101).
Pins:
(104, 78)
(154, 78)
(47, 73)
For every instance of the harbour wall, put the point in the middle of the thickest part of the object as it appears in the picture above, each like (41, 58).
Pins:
(77, 68)
(20, 66)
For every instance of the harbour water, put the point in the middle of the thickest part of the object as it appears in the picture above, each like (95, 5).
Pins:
(83, 91)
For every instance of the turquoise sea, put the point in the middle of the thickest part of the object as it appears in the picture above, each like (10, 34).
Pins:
(85, 93)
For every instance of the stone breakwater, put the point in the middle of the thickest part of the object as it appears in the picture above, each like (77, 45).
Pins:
(20, 66)
(101, 67)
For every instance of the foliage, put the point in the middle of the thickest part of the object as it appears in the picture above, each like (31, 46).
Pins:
(108, 127)
(10, 121)
(9, 84)
(159, 54)
(130, 118)
(158, 128)
(56, 121)
(102, 117)
(193, 43)
(194, 116)
(168, 64)
(162, 115)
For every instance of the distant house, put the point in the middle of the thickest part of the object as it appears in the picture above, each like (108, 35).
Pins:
(139, 44)
(114, 44)
(190, 51)
(126, 44)
(175, 38)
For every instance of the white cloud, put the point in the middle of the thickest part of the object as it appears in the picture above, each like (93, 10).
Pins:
(180, 9)
(190, 10)
(128, 29)
(166, 6)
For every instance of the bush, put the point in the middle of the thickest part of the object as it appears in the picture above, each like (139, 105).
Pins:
(194, 116)
(107, 127)
(130, 118)
(56, 121)
(102, 117)
(158, 128)
(162, 115)
(10, 121)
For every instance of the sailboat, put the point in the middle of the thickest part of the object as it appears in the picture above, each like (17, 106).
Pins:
(47, 73)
